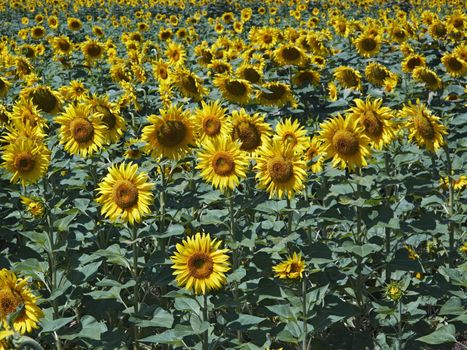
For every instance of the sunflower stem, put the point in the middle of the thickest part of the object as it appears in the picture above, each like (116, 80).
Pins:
(450, 207)
(205, 319)
(305, 313)
(162, 209)
(289, 217)
(387, 231)
(134, 238)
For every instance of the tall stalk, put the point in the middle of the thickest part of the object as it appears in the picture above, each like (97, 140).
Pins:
(134, 238)
(387, 231)
(450, 207)
(205, 319)
(304, 312)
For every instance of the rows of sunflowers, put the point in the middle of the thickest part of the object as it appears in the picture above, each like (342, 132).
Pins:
(280, 174)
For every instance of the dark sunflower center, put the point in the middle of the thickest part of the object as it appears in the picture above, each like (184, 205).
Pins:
(163, 73)
(372, 124)
(311, 153)
(249, 135)
(345, 142)
(350, 78)
(125, 194)
(236, 88)
(24, 162)
(424, 127)
(82, 130)
(44, 99)
(251, 75)
(276, 93)
(267, 38)
(294, 267)
(189, 83)
(200, 265)
(368, 44)
(9, 302)
(171, 133)
(94, 50)
(414, 62)
(109, 119)
(223, 163)
(454, 64)
(280, 170)
(211, 125)
(175, 55)
(380, 74)
(290, 54)
(429, 78)
(439, 30)
(38, 32)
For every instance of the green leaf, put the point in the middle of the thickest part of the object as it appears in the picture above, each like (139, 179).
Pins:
(53, 325)
(444, 334)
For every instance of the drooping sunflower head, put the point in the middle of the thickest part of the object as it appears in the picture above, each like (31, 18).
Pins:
(428, 77)
(44, 98)
(313, 155)
(376, 73)
(82, 131)
(292, 133)
(280, 170)
(367, 44)
(348, 77)
(188, 83)
(413, 61)
(292, 268)
(211, 122)
(454, 64)
(377, 121)
(234, 90)
(109, 113)
(275, 94)
(251, 130)
(169, 134)
(200, 265)
(345, 142)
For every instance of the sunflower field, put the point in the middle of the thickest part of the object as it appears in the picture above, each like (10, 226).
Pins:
(207, 174)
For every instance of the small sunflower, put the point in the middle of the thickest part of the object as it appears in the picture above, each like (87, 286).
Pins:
(62, 45)
(74, 24)
(110, 116)
(368, 45)
(16, 295)
(133, 149)
(200, 265)
(345, 142)
(376, 120)
(251, 130)
(81, 130)
(455, 65)
(26, 160)
(289, 54)
(34, 206)
(280, 170)
(427, 76)
(292, 268)
(161, 70)
(313, 155)
(125, 194)
(37, 32)
(92, 49)
(275, 94)
(211, 122)
(292, 133)
(333, 92)
(424, 128)
(348, 77)
(175, 53)
(222, 163)
(234, 90)
(394, 291)
(170, 134)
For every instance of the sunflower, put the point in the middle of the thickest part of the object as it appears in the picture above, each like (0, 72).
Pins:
(280, 170)
(292, 268)
(222, 163)
(275, 94)
(74, 24)
(424, 128)
(133, 149)
(455, 65)
(377, 121)
(306, 77)
(26, 113)
(188, 83)
(44, 98)
(211, 122)
(109, 113)
(92, 49)
(252, 73)
(345, 142)
(16, 295)
(333, 92)
(124, 194)
(348, 77)
(291, 133)
(81, 130)
(313, 155)
(26, 160)
(265, 38)
(62, 45)
(161, 70)
(199, 264)
(438, 29)
(427, 76)
(170, 134)
(367, 45)
(34, 206)
(4, 86)
(251, 130)
(376, 73)
(37, 32)
(234, 90)
(289, 54)
(175, 53)
(413, 61)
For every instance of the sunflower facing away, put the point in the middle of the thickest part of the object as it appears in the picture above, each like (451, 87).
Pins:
(81, 130)
(44, 98)
(15, 295)
(170, 134)
(234, 90)
(26, 160)
(222, 162)
(280, 170)
(424, 128)
(345, 142)
(211, 122)
(275, 94)
(348, 77)
(291, 268)
(251, 130)
(124, 194)
(199, 264)
(376, 120)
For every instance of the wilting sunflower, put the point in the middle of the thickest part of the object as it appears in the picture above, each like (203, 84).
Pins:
(170, 134)
(4, 86)
(275, 94)
(251, 130)
(124, 194)
(348, 77)
(234, 90)
(289, 54)
(222, 163)
(26, 160)
(291, 268)
(455, 65)
(376, 73)
(345, 142)
(211, 122)
(376, 120)
(292, 133)
(110, 116)
(424, 128)
(81, 130)
(175, 53)
(313, 155)
(199, 264)
(367, 44)
(427, 76)
(188, 83)
(44, 98)
(16, 295)
(280, 170)
(413, 61)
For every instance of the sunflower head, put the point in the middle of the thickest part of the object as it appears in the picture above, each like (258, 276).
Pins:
(367, 44)
(234, 90)
(348, 77)
(251, 130)
(110, 116)
(275, 94)
(428, 77)
(292, 268)
(454, 64)
(210, 121)
(44, 98)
